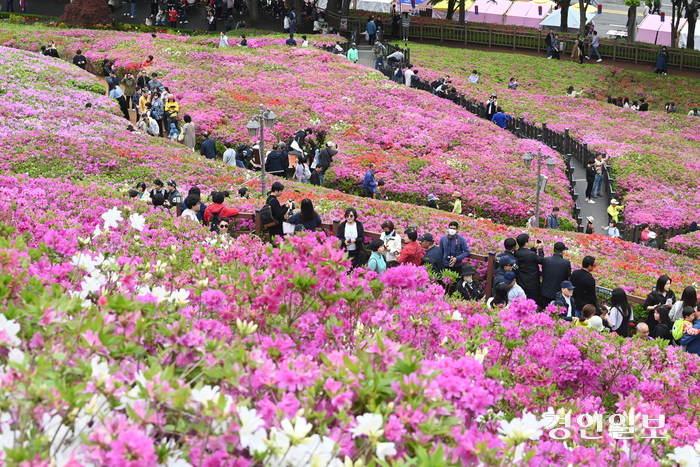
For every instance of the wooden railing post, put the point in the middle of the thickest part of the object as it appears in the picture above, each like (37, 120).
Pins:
(442, 31)
(680, 66)
(421, 32)
(465, 32)
(514, 37)
(258, 223)
(490, 270)
(539, 40)
(336, 224)
(490, 31)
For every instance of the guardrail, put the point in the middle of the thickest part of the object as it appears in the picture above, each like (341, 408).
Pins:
(532, 39)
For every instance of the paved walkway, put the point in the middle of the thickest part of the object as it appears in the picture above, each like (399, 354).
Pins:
(597, 210)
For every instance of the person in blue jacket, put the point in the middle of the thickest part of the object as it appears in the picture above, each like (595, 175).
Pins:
(692, 343)
(369, 184)
(500, 118)
(454, 248)
(371, 31)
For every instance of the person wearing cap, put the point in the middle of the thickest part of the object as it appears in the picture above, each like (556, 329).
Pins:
(467, 287)
(529, 260)
(433, 254)
(505, 264)
(432, 201)
(457, 209)
(515, 290)
(565, 299)
(353, 54)
(533, 222)
(369, 185)
(412, 251)
(651, 242)
(553, 219)
(208, 148)
(614, 210)
(326, 158)
(454, 248)
(173, 197)
(590, 229)
(555, 270)
(584, 282)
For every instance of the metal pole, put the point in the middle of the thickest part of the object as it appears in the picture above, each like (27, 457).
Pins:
(537, 185)
(262, 150)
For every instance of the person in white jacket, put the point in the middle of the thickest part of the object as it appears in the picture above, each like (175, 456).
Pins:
(392, 244)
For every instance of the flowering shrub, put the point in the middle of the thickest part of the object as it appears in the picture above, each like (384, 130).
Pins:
(131, 337)
(419, 146)
(659, 182)
(687, 245)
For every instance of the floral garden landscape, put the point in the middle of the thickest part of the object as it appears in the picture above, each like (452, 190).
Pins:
(132, 337)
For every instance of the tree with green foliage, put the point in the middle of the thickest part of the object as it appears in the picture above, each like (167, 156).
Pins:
(87, 13)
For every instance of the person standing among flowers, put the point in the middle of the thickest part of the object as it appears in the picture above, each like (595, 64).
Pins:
(661, 295)
(129, 89)
(352, 237)
(584, 283)
(115, 92)
(529, 260)
(662, 324)
(621, 313)
(188, 133)
(392, 244)
(553, 219)
(454, 248)
(457, 209)
(555, 270)
(412, 251)
(689, 297)
(590, 180)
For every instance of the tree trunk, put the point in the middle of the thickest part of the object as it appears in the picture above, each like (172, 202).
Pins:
(632, 26)
(583, 5)
(253, 11)
(332, 6)
(461, 11)
(564, 25)
(677, 14)
(451, 9)
(346, 8)
(692, 15)
(299, 5)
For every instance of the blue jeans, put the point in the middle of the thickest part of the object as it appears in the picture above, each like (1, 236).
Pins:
(322, 175)
(133, 8)
(240, 164)
(597, 185)
(379, 61)
(594, 50)
(549, 51)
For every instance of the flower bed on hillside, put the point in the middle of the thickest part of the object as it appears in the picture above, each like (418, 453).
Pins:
(419, 146)
(654, 160)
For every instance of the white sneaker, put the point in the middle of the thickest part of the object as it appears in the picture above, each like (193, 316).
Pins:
(599, 60)
(549, 58)
(588, 58)
(590, 201)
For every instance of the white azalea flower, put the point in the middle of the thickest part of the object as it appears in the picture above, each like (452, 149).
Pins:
(255, 442)
(16, 356)
(520, 430)
(206, 394)
(97, 231)
(11, 328)
(686, 456)
(111, 218)
(100, 369)
(279, 442)
(94, 282)
(137, 221)
(369, 424)
(180, 297)
(385, 449)
(297, 432)
(250, 420)
(456, 316)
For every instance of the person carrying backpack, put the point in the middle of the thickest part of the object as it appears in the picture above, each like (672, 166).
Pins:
(217, 209)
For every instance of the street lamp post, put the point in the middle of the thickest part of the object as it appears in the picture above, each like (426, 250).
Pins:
(257, 125)
(541, 180)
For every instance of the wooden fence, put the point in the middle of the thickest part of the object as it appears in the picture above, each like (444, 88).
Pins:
(532, 39)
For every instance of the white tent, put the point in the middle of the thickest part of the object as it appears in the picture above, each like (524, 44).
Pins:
(380, 6)
(683, 40)
(554, 18)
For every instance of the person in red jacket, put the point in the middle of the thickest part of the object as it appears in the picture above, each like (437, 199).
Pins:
(412, 251)
(217, 207)
(173, 17)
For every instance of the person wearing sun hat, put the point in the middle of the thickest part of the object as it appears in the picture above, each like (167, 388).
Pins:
(467, 287)
(457, 209)
(651, 241)
(614, 210)
(590, 229)
(432, 201)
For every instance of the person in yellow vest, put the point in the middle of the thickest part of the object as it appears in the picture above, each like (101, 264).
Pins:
(171, 110)
(614, 210)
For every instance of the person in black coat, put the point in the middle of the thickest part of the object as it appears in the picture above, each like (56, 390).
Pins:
(529, 260)
(661, 295)
(326, 158)
(468, 288)
(662, 324)
(555, 270)
(278, 211)
(352, 237)
(590, 180)
(583, 280)
(274, 162)
(433, 253)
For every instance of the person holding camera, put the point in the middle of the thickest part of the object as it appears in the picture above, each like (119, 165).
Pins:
(454, 248)
(529, 258)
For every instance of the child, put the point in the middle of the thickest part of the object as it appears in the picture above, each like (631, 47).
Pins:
(688, 315)
(376, 261)
(173, 132)
(316, 176)
(380, 191)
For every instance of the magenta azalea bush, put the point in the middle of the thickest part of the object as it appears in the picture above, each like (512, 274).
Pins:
(421, 144)
(653, 156)
(131, 337)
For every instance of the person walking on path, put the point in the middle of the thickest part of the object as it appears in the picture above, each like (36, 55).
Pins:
(553, 219)
(549, 40)
(379, 52)
(371, 31)
(405, 26)
(590, 180)
(595, 43)
(353, 55)
(598, 181)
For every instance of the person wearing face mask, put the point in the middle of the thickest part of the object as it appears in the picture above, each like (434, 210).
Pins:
(454, 248)
(392, 244)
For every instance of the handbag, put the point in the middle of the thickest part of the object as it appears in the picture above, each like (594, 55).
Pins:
(181, 137)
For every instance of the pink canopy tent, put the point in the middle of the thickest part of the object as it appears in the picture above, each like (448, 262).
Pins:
(527, 14)
(653, 31)
(483, 6)
(494, 14)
